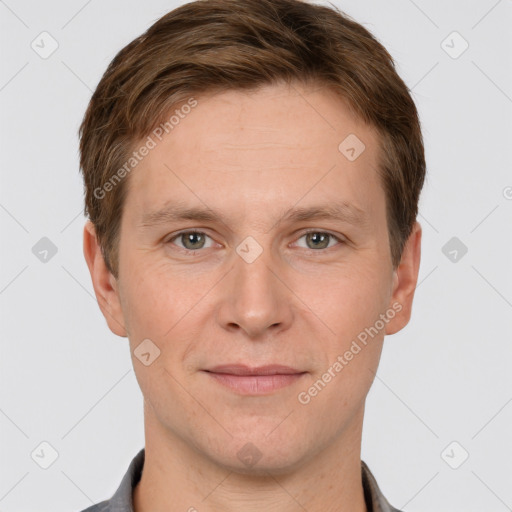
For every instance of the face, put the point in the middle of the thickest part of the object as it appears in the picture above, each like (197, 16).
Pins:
(288, 264)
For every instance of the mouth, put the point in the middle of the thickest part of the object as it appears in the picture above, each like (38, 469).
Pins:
(261, 380)
(241, 369)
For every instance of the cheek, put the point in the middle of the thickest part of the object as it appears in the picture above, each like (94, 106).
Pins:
(151, 301)
(351, 299)
(169, 308)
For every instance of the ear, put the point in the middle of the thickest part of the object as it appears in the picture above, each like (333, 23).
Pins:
(104, 283)
(405, 277)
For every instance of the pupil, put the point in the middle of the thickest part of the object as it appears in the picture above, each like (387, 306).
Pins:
(316, 236)
(190, 239)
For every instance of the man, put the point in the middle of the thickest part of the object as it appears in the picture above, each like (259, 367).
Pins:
(252, 172)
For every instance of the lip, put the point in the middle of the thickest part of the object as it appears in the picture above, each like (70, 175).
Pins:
(260, 380)
(242, 369)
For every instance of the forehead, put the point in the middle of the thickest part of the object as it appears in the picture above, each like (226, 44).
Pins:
(279, 143)
(278, 117)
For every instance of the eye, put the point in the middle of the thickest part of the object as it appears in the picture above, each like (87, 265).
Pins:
(191, 240)
(319, 239)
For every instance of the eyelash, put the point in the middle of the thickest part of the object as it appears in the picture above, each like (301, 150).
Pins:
(304, 233)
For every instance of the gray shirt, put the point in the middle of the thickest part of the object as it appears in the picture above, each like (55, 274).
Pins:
(121, 501)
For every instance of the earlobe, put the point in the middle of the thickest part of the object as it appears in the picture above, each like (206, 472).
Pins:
(405, 278)
(104, 283)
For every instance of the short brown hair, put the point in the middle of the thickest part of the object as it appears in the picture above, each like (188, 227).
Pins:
(215, 45)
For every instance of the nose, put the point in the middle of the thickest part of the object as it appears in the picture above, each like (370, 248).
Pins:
(255, 298)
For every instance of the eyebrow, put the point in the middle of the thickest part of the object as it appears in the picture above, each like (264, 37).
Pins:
(343, 211)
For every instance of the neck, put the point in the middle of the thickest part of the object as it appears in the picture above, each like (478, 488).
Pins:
(176, 477)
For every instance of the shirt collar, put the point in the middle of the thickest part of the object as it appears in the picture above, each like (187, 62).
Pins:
(375, 500)
(121, 501)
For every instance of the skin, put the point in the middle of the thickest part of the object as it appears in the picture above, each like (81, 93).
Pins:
(251, 157)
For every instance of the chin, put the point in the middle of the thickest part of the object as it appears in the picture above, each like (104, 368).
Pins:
(258, 455)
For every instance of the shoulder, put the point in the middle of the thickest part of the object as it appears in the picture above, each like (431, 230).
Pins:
(104, 506)
(121, 501)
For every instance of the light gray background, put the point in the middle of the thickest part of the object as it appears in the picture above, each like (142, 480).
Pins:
(68, 381)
